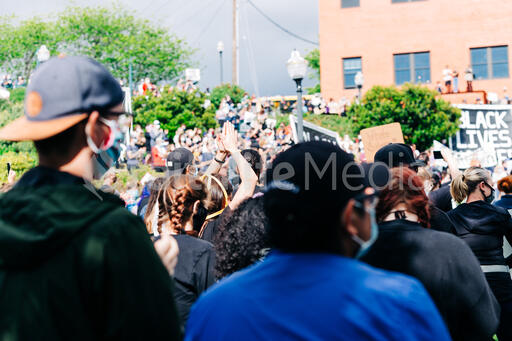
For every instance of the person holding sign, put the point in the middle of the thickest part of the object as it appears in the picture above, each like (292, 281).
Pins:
(482, 226)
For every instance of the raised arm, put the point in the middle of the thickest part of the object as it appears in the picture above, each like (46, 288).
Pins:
(248, 178)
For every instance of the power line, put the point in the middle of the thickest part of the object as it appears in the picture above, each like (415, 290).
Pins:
(210, 22)
(279, 26)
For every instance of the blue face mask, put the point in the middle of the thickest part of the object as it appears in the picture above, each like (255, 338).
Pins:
(106, 159)
(107, 155)
(364, 246)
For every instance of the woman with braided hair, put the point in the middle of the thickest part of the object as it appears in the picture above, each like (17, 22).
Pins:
(179, 206)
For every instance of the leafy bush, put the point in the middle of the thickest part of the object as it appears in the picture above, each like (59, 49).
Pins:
(17, 95)
(10, 111)
(20, 163)
(174, 108)
(234, 91)
(424, 117)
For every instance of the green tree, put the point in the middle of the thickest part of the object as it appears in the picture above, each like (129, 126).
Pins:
(111, 35)
(424, 116)
(234, 91)
(19, 43)
(313, 58)
(174, 108)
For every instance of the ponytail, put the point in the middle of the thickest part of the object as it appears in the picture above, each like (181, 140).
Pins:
(459, 189)
(466, 183)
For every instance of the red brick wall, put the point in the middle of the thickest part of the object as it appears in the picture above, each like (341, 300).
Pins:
(378, 29)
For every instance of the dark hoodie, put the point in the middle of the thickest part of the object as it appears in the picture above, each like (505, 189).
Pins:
(78, 266)
(482, 226)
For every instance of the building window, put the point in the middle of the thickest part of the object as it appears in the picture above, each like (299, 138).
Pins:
(349, 3)
(490, 62)
(396, 1)
(351, 66)
(412, 67)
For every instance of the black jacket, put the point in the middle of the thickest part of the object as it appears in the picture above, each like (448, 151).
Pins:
(482, 226)
(78, 266)
(449, 271)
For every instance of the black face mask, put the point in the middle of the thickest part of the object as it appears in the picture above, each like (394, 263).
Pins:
(488, 199)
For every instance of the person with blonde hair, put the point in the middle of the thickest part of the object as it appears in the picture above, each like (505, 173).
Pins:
(483, 226)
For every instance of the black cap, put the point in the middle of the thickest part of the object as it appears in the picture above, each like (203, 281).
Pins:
(308, 187)
(60, 94)
(323, 174)
(397, 155)
(178, 160)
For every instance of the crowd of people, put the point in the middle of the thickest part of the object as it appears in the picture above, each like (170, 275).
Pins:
(242, 234)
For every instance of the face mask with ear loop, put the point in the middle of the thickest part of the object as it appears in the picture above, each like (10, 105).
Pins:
(364, 246)
(106, 156)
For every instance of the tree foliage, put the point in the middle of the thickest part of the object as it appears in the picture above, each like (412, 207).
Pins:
(111, 35)
(424, 116)
(234, 91)
(174, 108)
(313, 58)
(19, 43)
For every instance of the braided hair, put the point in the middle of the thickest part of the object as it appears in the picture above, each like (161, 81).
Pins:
(178, 198)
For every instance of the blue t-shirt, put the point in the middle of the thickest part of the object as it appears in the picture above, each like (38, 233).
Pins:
(315, 297)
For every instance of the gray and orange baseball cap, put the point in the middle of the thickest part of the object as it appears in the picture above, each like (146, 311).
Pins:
(61, 93)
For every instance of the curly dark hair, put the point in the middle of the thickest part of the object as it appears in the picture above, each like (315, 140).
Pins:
(241, 239)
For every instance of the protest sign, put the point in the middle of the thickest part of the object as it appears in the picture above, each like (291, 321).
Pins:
(377, 137)
(485, 135)
(312, 132)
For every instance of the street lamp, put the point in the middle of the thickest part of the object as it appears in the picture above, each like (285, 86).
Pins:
(297, 68)
(220, 49)
(42, 54)
(359, 80)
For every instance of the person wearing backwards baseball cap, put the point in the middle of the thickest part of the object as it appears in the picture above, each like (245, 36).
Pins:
(74, 263)
(320, 206)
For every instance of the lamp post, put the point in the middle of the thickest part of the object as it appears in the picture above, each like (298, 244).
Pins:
(297, 68)
(359, 80)
(220, 49)
(42, 55)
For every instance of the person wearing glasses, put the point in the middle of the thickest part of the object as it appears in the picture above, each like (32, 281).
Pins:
(74, 263)
(482, 226)
(443, 263)
(320, 208)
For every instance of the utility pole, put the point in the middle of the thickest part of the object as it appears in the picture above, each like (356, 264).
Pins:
(235, 43)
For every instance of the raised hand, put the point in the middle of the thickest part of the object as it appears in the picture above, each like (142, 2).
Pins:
(229, 138)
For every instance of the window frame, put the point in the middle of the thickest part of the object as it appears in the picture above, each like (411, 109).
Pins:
(350, 6)
(413, 68)
(350, 73)
(489, 62)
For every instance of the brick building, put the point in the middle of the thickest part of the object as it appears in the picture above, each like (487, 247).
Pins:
(394, 41)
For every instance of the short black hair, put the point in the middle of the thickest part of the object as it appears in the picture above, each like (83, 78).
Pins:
(253, 157)
(63, 144)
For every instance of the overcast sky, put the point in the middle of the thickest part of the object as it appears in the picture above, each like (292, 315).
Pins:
(264, 48)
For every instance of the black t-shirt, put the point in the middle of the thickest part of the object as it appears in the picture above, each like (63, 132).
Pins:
(482, 226)
(442, 198)
(449, 271)
(194, 272)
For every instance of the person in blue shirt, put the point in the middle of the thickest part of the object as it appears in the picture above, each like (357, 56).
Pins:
(321, 215)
